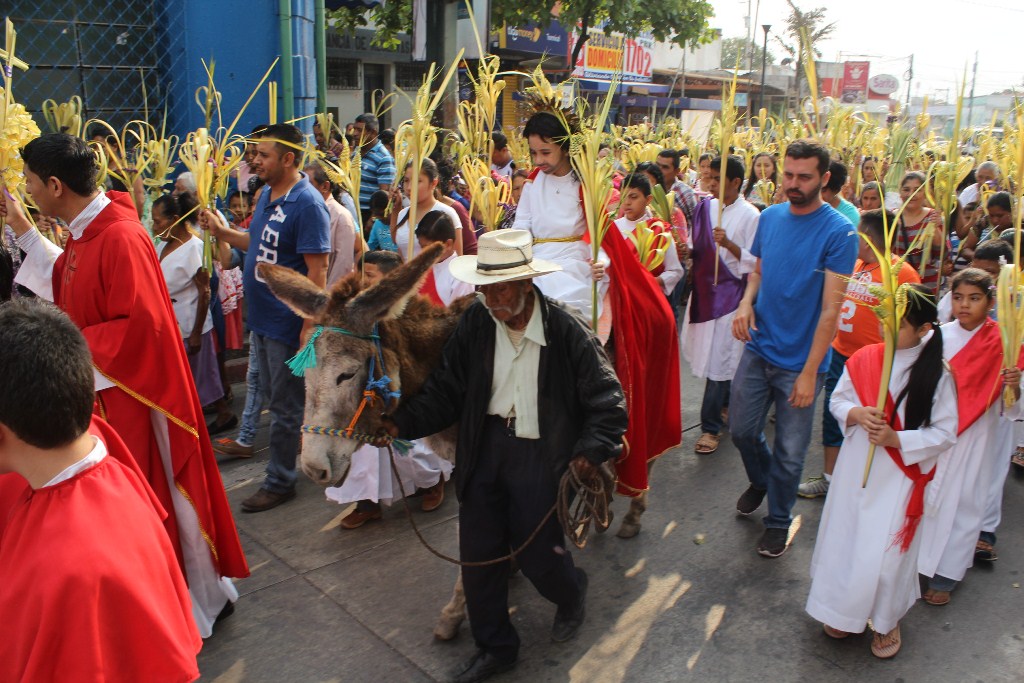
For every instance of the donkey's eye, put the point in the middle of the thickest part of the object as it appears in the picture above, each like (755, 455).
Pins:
(344, 377)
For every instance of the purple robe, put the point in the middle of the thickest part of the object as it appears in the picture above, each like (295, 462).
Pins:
(710, 301)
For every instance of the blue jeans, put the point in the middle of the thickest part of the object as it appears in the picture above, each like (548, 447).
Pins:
(831, 433)
(286, 395)
(778, 470)
(716, 397)
(253, 398)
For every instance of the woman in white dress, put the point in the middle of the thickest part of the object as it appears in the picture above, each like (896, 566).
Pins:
(550, 208)
(864, 565)
(188, 284)
(425, 203)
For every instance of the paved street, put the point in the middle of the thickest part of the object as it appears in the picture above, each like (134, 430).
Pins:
(325, 605)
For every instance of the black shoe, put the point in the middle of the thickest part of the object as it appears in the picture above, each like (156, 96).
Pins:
(773, 542)
(480, 667)
(569, 619)
(750, 500)
(214, 428)
(229, 609)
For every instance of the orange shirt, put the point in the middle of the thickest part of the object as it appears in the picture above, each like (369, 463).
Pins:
(858, 324)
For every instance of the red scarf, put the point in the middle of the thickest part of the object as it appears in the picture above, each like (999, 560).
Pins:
(429, 290)
(977, 370)
(865, 371)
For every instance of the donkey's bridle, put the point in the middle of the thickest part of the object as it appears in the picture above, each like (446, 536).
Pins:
(376, 390)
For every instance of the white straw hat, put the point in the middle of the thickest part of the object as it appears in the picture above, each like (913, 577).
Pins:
(502, 256)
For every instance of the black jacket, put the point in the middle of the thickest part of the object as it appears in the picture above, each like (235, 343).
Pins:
(580, 404)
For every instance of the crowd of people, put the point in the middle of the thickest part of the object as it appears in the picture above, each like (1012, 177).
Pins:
(761, 278)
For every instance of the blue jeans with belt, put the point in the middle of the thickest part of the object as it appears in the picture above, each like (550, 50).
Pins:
(776, 470)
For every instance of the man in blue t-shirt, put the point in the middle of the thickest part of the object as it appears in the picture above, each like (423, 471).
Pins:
(788, 317)
(290, 227)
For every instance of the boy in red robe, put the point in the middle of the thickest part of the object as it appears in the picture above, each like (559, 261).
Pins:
(108, 281)
(89, 585)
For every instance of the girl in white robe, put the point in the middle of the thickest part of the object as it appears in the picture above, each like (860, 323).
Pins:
(550, 208)
(864, 565)
(967, 474)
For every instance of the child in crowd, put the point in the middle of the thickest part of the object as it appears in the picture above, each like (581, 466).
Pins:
(857, 328)
(989, 256)
(865, 560)
(969, 475)
(440, 286)
(636, 200)
(90, 589)
(380, 232)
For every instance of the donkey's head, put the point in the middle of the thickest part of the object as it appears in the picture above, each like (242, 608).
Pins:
(335, 384)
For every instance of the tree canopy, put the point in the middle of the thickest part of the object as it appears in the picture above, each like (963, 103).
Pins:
(741, 47)
(683, 22)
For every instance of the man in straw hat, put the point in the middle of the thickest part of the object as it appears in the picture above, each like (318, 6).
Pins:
(533, 393)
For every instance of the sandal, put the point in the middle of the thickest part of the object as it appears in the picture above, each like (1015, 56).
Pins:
(936, 598)
(707, 444)
(985, 551)
(886, 646)
(1018, 457)
(835, 633)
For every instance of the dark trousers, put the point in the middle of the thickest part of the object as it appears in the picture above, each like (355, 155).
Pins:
(716, 399)
(511, 489)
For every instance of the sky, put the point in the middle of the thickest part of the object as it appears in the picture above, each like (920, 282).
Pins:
(943, 36)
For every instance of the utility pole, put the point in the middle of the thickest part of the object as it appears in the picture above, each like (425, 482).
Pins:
(910, 80)
(970, 106)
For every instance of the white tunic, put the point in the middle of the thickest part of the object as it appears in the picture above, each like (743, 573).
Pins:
(856, 572)
(449, 288)
(402, 232)
(709, 347)
(958, 497)
(550, 208)
(370, 476)
(673, 271)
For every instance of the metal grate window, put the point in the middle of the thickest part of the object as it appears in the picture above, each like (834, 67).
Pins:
(409, 76)
(99, 50)
(343, 74)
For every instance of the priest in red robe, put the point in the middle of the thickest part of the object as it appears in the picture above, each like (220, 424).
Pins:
(108, 281)
(89, 586)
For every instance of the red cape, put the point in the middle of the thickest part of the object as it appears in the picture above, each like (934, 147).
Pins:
(977, 370)
(646, 362)
(89, 586)
(865, 370)
(110, 284)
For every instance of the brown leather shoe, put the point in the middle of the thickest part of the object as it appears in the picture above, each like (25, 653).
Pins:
(433, 497)
(357, 517)
(264, 499)
(232, 447)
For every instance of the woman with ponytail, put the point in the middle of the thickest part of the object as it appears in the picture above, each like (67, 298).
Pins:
(971, 474)
(865, 560)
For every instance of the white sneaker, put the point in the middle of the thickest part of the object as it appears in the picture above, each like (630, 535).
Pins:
(815, 487)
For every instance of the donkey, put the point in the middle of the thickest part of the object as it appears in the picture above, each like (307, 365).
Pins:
(412, 335)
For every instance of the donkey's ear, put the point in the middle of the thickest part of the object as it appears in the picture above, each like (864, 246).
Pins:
(387, 299)
(294, 289)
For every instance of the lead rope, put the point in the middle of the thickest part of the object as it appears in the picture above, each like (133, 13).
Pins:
(591, 505)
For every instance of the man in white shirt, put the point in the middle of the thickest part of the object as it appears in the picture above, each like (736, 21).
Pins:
(988, 172)
(511, 377)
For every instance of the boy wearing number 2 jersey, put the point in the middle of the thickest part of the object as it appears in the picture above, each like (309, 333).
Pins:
(858, 327)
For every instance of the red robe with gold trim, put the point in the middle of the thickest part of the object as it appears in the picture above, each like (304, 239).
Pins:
(110, 284)
(646, 362)
(89, 589)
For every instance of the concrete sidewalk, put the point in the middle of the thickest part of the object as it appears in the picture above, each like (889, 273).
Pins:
(688, 599)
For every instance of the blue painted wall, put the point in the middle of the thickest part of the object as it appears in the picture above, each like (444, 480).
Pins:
(242, 38)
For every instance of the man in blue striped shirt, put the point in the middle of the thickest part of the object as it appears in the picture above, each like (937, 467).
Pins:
(378, 164)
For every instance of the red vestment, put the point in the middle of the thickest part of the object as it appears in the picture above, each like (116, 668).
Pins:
(865, 370)
(646, 362)
(977, 370)
(110, 284)
(89, 586)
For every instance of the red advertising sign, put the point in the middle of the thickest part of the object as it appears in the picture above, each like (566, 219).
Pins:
(855, 82)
